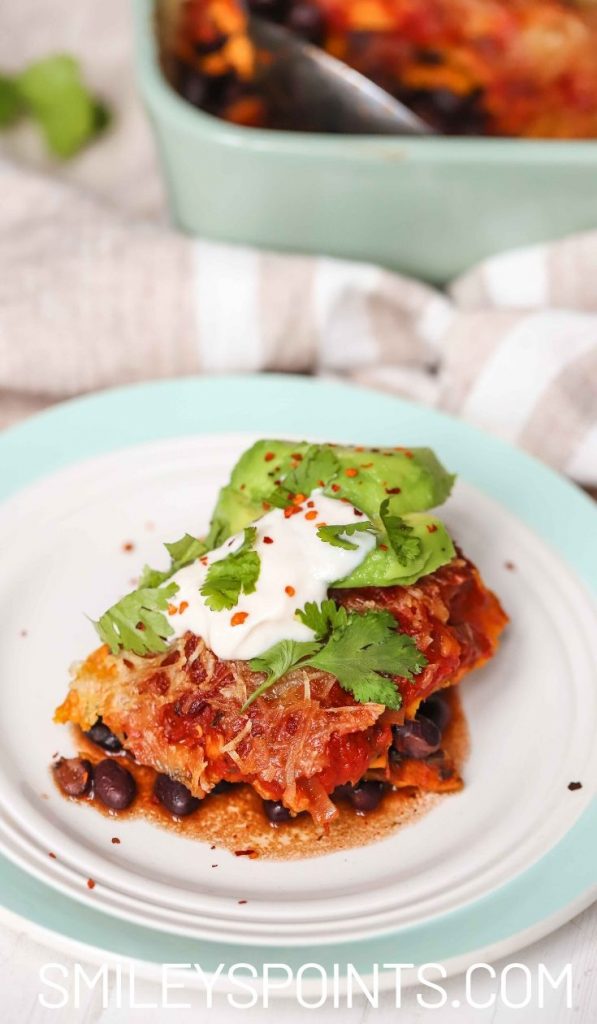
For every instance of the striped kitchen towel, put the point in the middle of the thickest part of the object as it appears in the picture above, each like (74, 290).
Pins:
(96, 291)
(91, 298)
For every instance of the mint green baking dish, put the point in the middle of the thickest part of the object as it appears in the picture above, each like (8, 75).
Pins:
(429, 207)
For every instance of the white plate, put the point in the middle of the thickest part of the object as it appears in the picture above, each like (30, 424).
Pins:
(532, 716)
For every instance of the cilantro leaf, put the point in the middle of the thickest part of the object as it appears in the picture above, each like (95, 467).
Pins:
(406, 547)
(185, 551)
(55, 95)
(182, 552)
(233, 575)
(361, 649)
(276, 662)
(367, 650)
(323, 618)
(136, 622)
(317, 468)
(337, 535)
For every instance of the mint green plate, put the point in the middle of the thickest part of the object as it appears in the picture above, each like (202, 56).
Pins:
(556, 886)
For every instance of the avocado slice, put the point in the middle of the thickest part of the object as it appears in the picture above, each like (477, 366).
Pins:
(410, 481)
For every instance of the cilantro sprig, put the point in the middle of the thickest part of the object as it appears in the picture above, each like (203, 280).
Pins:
(182, 552)
(136, 622)
(406, 547)
(337, 535)
(318, 467)
(232, 576)
(361, 649)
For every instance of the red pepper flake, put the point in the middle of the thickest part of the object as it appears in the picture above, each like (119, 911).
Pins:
(335, 488)
(265, 506)
(183, 607)
(242, 487)
(128, 546)
(242, 901)
(321, 483)
(310, 504)
(172, 609)
(298, 499)
(351, 471)
(267, 540)
(214, 865)
(574, 785)
(203, 560)
(90, 883)
(52, 855)
(291, 510)
(393, 490)
(297, 456)
(311, 515)
(318, 525)
(359, 448)
(238, 618)
(431, 528)
(246, 853)
(290, 591)
(383, 547)
(115, 840)
(357, 512)
(509, 566)
(269, 456)
(366, 465)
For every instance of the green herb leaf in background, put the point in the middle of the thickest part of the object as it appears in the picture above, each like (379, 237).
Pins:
(11, 105)
(53, 93)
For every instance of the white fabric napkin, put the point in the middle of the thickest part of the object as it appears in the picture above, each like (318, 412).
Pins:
(96, 290)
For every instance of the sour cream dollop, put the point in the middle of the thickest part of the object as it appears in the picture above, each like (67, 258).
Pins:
(296, 567)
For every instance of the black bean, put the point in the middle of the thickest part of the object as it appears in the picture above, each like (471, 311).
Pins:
(222, 787)
(366, 796)
(436, 709)
(276, 812)
(114, 785)
(175, 796)
(74, 775)
(418, 737)
(342, 792)
(104, 738)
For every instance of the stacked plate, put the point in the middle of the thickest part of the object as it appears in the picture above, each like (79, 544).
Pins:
(486, 871)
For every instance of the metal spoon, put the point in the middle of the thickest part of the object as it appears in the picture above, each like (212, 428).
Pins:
(308, 90)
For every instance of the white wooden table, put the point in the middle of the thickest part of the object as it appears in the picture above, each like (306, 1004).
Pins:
(21, 959)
